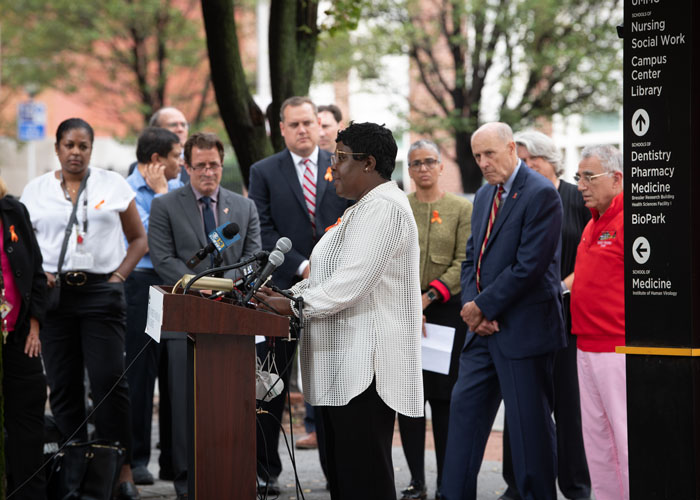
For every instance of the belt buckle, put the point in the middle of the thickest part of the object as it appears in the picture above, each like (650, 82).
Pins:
(76, 278)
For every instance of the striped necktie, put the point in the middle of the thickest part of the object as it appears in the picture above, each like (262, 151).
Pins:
(310, 191)
(492, 217)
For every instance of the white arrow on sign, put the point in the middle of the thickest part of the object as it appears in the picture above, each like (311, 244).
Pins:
(641, 250)
(640, 122)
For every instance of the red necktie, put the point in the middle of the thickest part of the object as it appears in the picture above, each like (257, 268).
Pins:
(310, 192)
(492, 218)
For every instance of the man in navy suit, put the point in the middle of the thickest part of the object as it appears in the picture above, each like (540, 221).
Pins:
(512, 305)
(295, 197)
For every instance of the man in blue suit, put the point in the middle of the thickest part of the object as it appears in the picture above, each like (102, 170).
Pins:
(295, 197)
(512, 305)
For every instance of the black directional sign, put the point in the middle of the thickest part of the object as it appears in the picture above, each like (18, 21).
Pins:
(662, 247)
(657, 171)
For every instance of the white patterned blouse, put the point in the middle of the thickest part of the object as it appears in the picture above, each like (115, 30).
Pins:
(362, 309)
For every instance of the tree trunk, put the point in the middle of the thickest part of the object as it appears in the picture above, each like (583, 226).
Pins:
(243, 119)
(471, 174)
(292, 39)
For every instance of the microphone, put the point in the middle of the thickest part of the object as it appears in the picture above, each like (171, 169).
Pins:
(222, 237)
(275, 260)
(284, 244)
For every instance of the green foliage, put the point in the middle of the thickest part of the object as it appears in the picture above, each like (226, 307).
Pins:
(115, 47)
(542, 57)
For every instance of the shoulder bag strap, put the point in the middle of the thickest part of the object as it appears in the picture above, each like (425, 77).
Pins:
(69, 227)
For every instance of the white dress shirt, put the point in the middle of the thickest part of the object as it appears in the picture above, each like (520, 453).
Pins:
(108, 194)
(362, 307)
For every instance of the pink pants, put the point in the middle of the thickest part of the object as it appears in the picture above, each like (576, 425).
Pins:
(602, 383)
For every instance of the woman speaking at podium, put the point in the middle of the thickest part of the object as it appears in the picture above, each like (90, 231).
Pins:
(360, 351)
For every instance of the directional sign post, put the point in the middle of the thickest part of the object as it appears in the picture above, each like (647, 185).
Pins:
(31, 126)
(662, 246)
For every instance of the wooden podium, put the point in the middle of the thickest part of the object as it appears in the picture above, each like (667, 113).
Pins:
(224, 389)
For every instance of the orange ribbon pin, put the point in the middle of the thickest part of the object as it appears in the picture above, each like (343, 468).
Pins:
(97, 207)
(333, 225)
(436, 217)
(13, 235)
(328, 176)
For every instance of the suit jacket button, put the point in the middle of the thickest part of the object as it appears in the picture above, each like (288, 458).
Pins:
(18, 273)
(9, 249)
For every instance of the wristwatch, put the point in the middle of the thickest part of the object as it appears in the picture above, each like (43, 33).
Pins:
(432, 295)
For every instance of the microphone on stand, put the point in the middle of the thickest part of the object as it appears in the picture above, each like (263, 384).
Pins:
(275, 260)
(219, 239)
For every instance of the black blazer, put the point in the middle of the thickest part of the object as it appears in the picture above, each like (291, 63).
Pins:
(277, 193)
(26, 262)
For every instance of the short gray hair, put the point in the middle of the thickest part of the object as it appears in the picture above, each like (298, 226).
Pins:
(609, 156)
(425, 144)
(541, 146)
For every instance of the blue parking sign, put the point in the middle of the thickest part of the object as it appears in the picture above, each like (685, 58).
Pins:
(31, 121)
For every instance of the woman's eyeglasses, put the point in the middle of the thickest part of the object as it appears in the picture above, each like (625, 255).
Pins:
(339, 156)
(430, 163)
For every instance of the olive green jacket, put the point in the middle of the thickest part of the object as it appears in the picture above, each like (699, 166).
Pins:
(443, 229)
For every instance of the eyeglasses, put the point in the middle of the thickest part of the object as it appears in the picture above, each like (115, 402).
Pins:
(587, 177)
(430, 163)
(203, 166)
(339, 156)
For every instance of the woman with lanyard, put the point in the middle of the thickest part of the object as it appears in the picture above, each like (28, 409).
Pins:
(80, 216)
(444, 225)
(360, 351)
(22, 304)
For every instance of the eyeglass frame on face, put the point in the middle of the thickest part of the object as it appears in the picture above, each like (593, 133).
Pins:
(587, 177)
(204, 167)
(430, 163)
(335, 159)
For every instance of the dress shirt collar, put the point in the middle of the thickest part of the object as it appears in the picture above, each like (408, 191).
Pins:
(509, 183)
(198, 196)
(298, 159)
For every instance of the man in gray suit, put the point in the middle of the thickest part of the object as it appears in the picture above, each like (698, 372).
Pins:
(179, 224)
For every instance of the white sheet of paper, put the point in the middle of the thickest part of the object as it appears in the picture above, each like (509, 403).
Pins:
(259, 338)
(437, 348)
(154, 320)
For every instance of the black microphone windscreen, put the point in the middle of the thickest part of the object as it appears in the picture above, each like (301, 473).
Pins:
(231, 230)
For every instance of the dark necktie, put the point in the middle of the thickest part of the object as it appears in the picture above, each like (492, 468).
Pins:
(492, 217)
(209, 222)
(208, 215)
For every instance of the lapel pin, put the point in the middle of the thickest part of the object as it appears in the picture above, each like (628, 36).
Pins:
(329, 175)
(226, 210)
(515, 195)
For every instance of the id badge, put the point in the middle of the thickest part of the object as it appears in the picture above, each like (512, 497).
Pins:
(82, 260)
(5, 308)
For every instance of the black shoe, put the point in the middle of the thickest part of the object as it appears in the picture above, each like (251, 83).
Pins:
(269, 487)
(127, 491)
(142, 475)
(415, 491)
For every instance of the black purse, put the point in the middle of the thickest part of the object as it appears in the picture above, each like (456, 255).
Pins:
(85, 471)
(53, 297)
